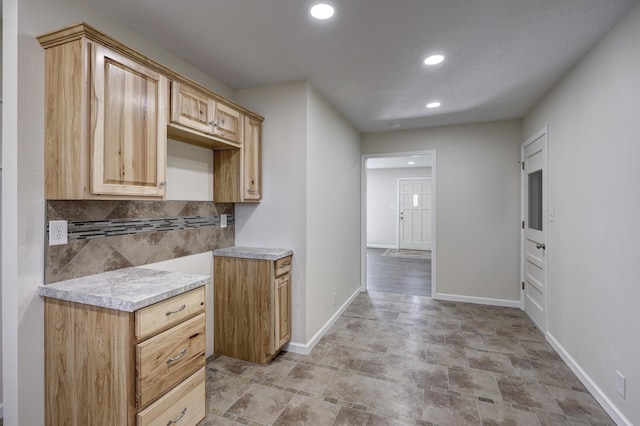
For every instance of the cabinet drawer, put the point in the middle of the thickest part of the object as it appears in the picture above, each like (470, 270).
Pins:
(168, 358)
(283, 266)
(166, 314)
(183, 405)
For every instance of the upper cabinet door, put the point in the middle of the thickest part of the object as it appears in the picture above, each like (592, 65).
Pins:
(227, 123)
(191, 108)
(251, 152)
(128, 126)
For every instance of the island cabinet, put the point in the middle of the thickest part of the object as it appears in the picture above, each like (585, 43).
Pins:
(115, 366)
(252, 302)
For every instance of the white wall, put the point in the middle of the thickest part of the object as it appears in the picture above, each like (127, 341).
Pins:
(10, 294)
(189, 172)
(333, 211)
(1, 399)
(477, 205)
(594, 181)
(280, 219)
(310, 201)
(22, 191)
(382, 203)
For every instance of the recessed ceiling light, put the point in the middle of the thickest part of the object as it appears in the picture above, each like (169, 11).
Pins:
(322, 11)
(434, 59)
(395, 125)
(433, 105)
(412, 162)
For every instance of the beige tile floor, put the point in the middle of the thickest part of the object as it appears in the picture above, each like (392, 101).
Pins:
(395, 359)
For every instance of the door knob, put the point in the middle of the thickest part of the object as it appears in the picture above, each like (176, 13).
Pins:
(540, 246)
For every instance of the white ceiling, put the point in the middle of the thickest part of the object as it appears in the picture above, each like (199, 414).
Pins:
(502, 55)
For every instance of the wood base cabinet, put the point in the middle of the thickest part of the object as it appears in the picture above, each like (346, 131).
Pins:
(110, 367)
(252, 307)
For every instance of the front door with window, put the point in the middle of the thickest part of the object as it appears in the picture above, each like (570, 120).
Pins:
(534, 259)
(415, 214)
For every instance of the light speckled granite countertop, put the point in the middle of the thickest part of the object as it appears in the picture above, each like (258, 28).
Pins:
(253, 253)
(126, 289)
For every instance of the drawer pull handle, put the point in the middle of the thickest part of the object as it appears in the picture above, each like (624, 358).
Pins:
(180, 309)
(177, 419)
(284, 265)
(177, 357)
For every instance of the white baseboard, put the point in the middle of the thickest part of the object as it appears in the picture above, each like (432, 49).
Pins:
(382, 246)
(588, 382)
(306, 348)
(478, 300)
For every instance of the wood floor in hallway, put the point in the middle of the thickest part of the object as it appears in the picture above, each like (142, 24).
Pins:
(398, 275)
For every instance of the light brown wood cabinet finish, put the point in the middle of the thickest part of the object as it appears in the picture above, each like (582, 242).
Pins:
(168, 358)
(251, 161)
(237, 172)
(93, 363)
(203, 119)
(191, 108)
(109, 111)
(227, 123)
(182, 405)
(105, 125)
(252, 308)
(128, 126)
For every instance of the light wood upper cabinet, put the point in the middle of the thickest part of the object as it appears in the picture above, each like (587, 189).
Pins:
(251, 160)
(128, 126)
(105, 122)
(191, 108)
(227, 123)
(203, 119)
(109, 111)
(237, 172)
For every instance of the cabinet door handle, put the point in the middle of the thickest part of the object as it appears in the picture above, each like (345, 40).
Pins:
(177, 357)
(163, 183)
(177, 419)
(180, 309)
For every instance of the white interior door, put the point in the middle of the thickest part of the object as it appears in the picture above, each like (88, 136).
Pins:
(415, 214)
(534, 155)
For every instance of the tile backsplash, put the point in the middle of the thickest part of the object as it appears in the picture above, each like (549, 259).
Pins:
(108, 235)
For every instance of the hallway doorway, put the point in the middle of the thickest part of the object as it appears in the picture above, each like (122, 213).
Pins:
(388, 265)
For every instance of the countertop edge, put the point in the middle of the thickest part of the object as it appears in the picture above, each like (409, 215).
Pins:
(118, 304)
(253, 253)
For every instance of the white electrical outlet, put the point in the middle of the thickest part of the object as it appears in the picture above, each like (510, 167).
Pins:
(621, 384)
(223, 221)
(58, 232)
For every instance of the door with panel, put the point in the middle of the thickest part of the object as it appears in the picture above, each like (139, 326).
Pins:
(128, 126)
(415, 214)
(534, 185)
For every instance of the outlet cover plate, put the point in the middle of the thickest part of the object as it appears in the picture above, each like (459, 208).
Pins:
(58, 232)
